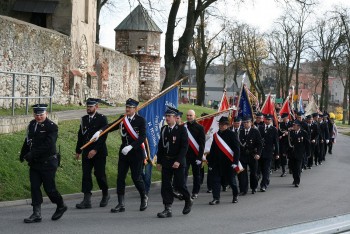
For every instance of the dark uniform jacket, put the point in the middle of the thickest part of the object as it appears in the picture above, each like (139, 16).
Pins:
(251, 144)
(138, 123)
(40, 142)
(301, 144)
(197, 131)
(87, 130)
(217, 159)
(324, 131)
(270, 141)
(172, 146)
(283, 138)
(314, 132)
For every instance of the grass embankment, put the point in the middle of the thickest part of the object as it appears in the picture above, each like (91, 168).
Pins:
(14, 176)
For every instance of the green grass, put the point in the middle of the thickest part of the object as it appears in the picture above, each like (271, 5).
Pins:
(14, 176)
(198, 109)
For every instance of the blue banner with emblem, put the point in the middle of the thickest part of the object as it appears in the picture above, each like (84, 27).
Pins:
(154, 115)
(244, 107)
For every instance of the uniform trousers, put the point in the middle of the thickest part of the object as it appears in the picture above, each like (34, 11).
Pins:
(44, 174)
(253, 177)
(98, 162)
(136, 166)
(168, 174)
(223, 173)
(196, 172)
(296, 168)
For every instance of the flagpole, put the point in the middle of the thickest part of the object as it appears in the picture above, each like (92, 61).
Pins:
(239, 98)
(214, 114)
(139, 108)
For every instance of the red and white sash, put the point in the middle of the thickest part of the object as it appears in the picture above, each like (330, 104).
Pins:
(193, 143)
(132, 132)
(227, 151)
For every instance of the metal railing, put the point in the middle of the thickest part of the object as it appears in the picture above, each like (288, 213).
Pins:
(27, 76)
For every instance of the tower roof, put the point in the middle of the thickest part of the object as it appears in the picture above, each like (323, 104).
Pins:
(138, 20)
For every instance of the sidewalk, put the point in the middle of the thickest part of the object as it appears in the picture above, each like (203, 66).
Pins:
(77, 114)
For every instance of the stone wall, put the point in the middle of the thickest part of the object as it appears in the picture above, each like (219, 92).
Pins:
(11, 124)
(118, 75)
(26, 48)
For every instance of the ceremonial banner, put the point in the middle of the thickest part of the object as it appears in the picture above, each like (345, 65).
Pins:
(286, 109)
(154, 115)
(224, 105)
(244, 107)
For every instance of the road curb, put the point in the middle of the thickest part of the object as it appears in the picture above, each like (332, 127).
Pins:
(71, 196)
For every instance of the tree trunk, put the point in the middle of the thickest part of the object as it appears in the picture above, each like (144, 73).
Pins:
(345, 98)
(200, 79)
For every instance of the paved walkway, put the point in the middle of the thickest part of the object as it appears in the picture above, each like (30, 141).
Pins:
(77, 114)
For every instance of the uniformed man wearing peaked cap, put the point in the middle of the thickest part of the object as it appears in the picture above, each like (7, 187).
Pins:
(93, 156)
(171, 161)
(300, 146)
(283, 132)
(223, 158)
(39, 150)
(270, 149)
(250, 151)
(131, 153)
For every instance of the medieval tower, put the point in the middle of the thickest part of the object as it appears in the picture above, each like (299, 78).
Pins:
(138, 36)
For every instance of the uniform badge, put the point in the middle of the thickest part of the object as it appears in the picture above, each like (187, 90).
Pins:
(42, 125)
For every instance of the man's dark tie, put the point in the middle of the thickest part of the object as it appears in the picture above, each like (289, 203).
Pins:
(90, 118)
(246, 132)
(170, 129)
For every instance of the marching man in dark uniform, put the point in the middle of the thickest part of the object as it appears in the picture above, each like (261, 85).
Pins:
(94, 156)
(270, 149)
(284, 128)
(223, 160)
(131, 153)
(196, 139)
(39, 150)
(300, 147)
(251, 145)
(314, 136)
(171, 161)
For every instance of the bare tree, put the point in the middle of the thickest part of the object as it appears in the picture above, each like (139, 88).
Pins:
(299, 13)
(99, 5)
(174, 63)
(204, 52)
(327, 39)
(345, 22)
(253, 51)
(282, 47)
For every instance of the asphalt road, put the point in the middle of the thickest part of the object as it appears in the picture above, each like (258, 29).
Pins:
(324, 192)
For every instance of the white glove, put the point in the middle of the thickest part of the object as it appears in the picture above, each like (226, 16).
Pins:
(204, 158)
(327, 141)
(95, 136)
(198, 162)
(126, 149)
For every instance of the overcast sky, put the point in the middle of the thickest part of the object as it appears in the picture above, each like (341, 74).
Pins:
(259, 13)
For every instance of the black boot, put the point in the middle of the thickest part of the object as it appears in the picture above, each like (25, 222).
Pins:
(188, 206)
(121, 206)
(144, 202)
(61, 208)
(36, 216)
(166, 213)
(104, 200)
(86, 203)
